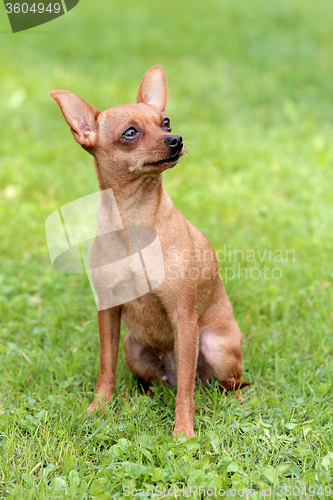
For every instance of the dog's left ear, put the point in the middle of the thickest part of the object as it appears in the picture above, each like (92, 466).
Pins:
(153, 88)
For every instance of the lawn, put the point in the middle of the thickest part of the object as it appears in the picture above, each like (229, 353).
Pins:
(250, 91)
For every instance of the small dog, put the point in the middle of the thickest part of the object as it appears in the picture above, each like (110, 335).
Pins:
(184, 328)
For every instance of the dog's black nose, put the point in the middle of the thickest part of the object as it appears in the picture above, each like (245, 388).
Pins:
(175, 142)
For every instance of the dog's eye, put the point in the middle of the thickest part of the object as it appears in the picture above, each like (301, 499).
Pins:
(166, 124)
(130, 133)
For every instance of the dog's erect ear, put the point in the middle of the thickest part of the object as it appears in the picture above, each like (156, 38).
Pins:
(153, 88)
(80, 116)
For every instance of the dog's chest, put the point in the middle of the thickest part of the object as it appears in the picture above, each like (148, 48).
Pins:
(148, 322)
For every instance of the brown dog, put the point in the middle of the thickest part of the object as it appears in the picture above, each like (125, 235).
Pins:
(184, 328)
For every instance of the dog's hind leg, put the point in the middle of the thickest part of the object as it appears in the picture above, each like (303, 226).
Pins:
(220, 354)
(220, 358)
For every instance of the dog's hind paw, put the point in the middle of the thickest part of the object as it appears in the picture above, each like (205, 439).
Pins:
(233, 385)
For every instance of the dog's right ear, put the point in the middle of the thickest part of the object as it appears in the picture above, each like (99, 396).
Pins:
(80, 116)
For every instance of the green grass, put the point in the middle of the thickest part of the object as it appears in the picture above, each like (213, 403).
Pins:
(250, 90)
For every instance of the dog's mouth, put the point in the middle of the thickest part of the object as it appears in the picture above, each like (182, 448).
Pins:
(168, 162)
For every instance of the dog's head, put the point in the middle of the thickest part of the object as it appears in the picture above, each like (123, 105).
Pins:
(132, 138)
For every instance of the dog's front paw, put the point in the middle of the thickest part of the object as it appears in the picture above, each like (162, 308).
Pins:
(186, 429)
(98, 403)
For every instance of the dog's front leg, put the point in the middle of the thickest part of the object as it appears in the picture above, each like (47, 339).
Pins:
(109, 334)
(186, 350)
